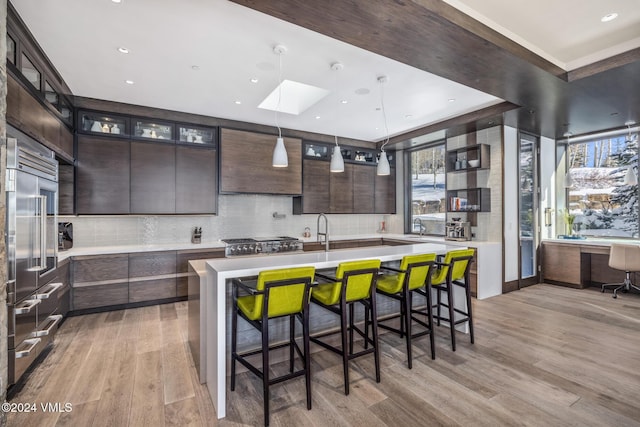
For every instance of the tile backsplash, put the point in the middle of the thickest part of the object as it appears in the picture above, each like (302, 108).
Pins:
(248, 215)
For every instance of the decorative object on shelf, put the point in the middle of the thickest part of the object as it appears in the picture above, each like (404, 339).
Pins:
(474, 163)
(337, 162)
(105, 128)
(383, 163)
(280, 158)
(146, 132)
(568, 181)
(569, 218)
(153, 133)
(96, 127)
(307, 232)
(115, 129)
(198, 138)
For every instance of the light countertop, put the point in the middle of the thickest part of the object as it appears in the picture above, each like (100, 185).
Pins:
(123, 249)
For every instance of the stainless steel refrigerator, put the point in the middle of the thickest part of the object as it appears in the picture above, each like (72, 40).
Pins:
(32, 250)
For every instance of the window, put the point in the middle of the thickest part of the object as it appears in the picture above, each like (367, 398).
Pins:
(600, 202)
(427, 198)
(11, 49)
(30, 72)
(50, 94)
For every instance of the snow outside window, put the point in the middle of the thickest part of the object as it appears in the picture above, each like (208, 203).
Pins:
(428, 206)
(600, 203)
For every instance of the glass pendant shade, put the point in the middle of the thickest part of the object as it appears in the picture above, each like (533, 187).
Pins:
(280, 158)
(383, 164)
(337, 162)
(630, 178)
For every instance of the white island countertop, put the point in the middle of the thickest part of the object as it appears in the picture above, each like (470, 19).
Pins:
(219, 270)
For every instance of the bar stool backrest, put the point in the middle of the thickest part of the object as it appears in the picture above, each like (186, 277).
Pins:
(460, 258)
(418, 275)
(358, 282)
(288, 294)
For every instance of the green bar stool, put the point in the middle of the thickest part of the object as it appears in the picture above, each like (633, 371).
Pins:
(355, 282)
(414, 275)
(278, 293)
(454, 271)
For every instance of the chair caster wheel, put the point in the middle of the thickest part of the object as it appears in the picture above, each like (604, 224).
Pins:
(615, 296)
(602, 290)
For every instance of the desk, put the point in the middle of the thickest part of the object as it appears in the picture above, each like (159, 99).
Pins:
(217, 290)
(578, 263)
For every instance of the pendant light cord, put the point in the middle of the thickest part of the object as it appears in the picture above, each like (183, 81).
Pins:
(384, 113)
(279, 92)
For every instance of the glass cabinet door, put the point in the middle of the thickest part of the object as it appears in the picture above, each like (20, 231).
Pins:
(152, 129)
(318, 151)
(196, 135)
(103, 124)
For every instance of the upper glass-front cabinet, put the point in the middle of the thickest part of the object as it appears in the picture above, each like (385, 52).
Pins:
(30, 72)
(196, 135)
(103, 123)
(152, 129)
(318, 151)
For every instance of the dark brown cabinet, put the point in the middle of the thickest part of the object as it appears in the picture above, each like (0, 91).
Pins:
(363, 188)
(245, 164)
(196, 180)
(100, 280)
(102, 185)
(385, 197)
(145, 276)
(356, 190)
(153, 178)
(315, 186)
(29, 115)
(341, 190)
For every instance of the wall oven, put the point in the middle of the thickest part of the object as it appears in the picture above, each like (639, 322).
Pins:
(32, 249)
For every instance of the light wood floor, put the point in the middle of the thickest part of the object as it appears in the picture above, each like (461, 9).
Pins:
(544, 356)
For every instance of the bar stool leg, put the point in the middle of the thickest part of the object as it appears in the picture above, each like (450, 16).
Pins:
(452, 315)
(469, 313)
(234, 338)
(374, 324)
(292, 337)
(405, 309)
(430, 322)
(265, 371)
(345, 354)
(307, 355)
(351, 324)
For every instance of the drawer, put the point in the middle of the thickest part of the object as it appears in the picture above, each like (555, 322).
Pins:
(100, 295)
(100, 268)
(152, 264)
(48, 296)
(149, 290)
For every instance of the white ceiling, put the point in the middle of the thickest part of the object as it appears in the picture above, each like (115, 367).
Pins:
(568, 33)
(231, 44)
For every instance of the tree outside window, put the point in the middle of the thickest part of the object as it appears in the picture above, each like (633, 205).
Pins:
(428, 206)
(602, 203)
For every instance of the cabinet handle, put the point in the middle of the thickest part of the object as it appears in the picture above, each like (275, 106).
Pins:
(54, 319)
(54, 287)
(33, 342)
(26, 306)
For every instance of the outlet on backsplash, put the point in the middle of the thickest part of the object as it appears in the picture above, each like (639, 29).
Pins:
(196, 235)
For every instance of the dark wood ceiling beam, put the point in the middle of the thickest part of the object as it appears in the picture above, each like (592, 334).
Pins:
(479, 119)
(604, 65)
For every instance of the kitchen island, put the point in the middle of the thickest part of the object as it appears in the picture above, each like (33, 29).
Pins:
(215, 300)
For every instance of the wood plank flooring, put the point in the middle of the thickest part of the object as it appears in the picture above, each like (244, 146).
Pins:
(544, 356)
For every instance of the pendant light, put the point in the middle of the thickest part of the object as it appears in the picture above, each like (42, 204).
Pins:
(337, 161)
(280, 158)
(630, 177)
(568, 181)
(383, 162)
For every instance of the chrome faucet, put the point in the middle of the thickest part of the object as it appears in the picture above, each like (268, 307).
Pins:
(325, 233)
(420, 224)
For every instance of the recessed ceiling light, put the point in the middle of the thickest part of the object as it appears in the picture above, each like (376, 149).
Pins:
(129, 82)
(116, 1)
(238, 102)
(253, 80)
(123, 49)
(408, 116)
(609, 17)
(343, 101)
(195, 67)
(452, 100)
(317, 117)
(362, 91)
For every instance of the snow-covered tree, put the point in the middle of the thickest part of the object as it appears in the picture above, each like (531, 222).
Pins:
(625, 197)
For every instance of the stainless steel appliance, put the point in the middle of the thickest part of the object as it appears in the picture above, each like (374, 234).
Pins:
(65, 236)
(262, 245)
(32, 249)
(457, 230)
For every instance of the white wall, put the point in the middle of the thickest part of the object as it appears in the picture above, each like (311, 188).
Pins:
(238, 216)
(547, 185)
